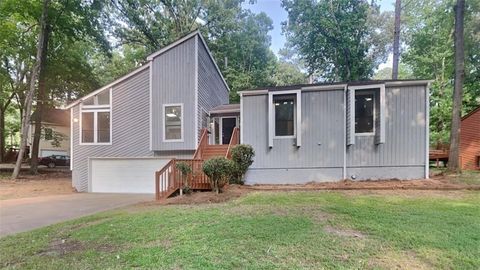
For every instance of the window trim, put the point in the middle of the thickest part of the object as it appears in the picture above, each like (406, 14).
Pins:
(367, 92)
(275, 136)
(95, 109)
(298, 117)
(182, 120)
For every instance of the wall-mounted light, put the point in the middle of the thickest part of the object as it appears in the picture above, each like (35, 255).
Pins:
(75, 120)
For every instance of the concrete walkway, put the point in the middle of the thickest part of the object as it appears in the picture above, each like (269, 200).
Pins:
(19, 215)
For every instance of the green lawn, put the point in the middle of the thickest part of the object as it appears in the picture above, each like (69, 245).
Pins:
(287, 230)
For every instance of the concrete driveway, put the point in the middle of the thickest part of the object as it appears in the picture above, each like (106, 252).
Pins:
(19, 215)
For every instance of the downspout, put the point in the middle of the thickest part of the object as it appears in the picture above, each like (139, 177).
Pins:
(427, 131)
(344, 172)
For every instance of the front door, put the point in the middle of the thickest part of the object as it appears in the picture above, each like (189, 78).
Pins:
(228, 124)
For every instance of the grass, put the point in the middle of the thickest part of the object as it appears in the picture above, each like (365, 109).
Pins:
(467, 177)
(281, 230)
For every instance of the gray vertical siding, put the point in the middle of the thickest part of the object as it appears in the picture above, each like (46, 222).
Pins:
(322, 133)
(173, 81)
(321, 155)
(130, 128)
(211, 89)
(404, 132)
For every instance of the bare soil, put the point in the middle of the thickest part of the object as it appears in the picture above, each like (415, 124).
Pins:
(44, 184)
(204, 197)
(439, 185)
(439, 182)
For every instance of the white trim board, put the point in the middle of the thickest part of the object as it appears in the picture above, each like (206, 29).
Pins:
(298, 117)
(196, 92)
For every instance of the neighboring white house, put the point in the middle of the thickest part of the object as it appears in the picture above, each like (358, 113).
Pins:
(55, 137)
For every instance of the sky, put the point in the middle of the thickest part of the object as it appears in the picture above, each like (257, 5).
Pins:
(274, 10)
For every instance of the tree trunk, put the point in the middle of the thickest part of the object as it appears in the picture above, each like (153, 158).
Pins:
(2, 136)
(396, 39)
(40, 105)
(27, 105)
(454, 155)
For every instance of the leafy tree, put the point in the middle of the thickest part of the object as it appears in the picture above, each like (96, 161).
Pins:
(40, 56)
(238, 38)
(385, 73)
(454, 154)
(429, 27)
(288, 74)
(331, 37)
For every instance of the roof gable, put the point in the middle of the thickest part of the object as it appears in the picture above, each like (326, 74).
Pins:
(148, 65)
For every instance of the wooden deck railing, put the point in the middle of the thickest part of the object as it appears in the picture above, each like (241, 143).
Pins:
(169, 179)
(234, 140)
(202, 144)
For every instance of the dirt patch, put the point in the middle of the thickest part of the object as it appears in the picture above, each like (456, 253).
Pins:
(408, 193)
(344, 232)
(399, 260)
(51, 183)
(436, 183)
(230, 192)
(62, 247)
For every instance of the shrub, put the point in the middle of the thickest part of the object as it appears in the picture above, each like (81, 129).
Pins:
(218, 170)
(185, 170)
(242, 156)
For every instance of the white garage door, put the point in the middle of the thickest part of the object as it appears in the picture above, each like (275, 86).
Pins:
(134, 175)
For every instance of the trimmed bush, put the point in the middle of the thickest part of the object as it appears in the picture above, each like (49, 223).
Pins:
(242, 156)
(185, 170)
(218, 170)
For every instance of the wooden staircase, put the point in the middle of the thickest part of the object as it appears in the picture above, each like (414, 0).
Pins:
(169, 180)
(211, 151)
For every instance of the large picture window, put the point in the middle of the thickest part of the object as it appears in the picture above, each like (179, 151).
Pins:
(364, 112)
(96, 120)
(284, 115)
(173, 122)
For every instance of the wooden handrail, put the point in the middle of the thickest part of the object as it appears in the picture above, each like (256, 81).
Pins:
(169, 179)
(201, 144)
(234, 140)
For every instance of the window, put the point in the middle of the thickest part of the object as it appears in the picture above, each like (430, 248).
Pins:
(173, 121)
(48, 134)
(103, 126)
(364, 112)
(87, 127)
(100, 100)
(284, 115)
(96, 119)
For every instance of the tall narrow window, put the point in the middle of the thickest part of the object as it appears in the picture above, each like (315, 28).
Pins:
(96, 119)
(284, 115)
(364, 112)
(87, 127)
(103, 127)
(173, 119)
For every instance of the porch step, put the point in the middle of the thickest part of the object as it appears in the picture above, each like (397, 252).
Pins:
(214, 151)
